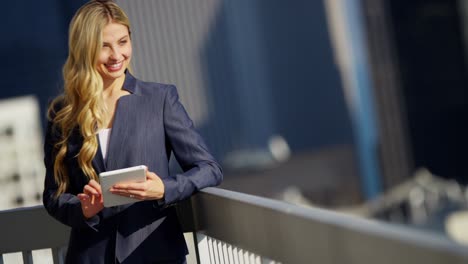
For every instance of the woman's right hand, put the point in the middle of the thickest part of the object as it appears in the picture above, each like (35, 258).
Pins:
(91, 199)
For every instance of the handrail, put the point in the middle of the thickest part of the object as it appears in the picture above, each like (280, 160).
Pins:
(30, 228)
(269, 228)
(294, 234)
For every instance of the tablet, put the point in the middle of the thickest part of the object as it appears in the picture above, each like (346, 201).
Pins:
(109, 178)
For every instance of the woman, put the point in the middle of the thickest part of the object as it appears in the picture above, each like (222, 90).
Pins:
(105, 120)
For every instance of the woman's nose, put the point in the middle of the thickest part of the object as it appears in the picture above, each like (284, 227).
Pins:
(116, 54)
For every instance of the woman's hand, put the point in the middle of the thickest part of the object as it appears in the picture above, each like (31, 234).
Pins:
(91, 199)
(151, 189)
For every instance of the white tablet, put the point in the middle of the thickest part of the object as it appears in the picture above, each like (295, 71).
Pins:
(109, 178)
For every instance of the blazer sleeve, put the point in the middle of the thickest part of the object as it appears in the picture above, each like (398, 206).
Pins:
(66, 208)
(200, 168)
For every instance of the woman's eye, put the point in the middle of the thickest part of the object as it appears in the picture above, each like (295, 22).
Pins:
(123, 42)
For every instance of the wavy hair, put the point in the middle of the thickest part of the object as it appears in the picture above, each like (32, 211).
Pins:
(81, 106)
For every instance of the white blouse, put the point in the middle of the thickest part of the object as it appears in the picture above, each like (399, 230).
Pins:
(104, 136)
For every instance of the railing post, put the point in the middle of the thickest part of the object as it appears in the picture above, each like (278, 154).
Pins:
(203, 251)
(58, 255)
(27, 257)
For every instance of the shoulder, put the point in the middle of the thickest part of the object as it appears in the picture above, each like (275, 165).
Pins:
(157, 89)
(148, 88)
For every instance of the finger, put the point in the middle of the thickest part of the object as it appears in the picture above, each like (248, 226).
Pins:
(83, 197)
(95, 185)
(123, 192)
(121, 185)
(88, 189)
(141, 198)
(137, 186)
(131, 194)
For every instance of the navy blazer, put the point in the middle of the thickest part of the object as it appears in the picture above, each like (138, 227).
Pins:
(149, 124)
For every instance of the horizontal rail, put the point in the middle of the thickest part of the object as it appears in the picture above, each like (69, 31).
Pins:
(294, 234)
(30, 228)
(265, 227)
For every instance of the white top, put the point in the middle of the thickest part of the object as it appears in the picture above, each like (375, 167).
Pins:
(104, 136)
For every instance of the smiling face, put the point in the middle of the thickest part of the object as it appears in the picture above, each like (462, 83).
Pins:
(116, 52)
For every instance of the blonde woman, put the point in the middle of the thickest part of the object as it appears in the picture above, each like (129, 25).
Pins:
(106, 119)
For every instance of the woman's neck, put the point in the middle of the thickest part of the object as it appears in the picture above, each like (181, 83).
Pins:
(111, 93)
(112, 87)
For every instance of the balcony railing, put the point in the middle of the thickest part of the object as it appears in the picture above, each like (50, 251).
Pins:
(232, 227)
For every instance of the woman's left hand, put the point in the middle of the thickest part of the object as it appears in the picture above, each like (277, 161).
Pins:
(151, 189)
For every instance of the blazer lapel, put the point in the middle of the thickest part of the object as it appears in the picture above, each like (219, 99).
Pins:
(98, 161)
(126, 110)
(118, 134)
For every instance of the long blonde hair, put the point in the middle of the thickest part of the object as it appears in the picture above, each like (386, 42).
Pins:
(81, 104)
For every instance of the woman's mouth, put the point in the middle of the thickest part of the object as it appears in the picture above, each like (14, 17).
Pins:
(114, 66)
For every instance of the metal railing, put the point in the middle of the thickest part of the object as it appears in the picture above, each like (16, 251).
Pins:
(233, 227)
(31, 228)
(294, 234)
